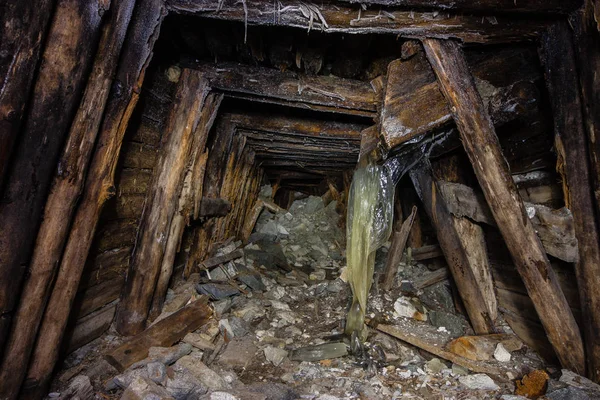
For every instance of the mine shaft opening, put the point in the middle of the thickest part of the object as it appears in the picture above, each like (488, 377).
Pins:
(298, 200)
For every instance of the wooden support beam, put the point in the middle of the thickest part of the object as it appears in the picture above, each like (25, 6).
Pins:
(321, 93)
(330, 18)
(396, 251)
(459, 251)
(426, 252)
(587, 35)
(66, 188)
(61, 79)
(488, 6)
(162, 203)
(136, 54)
(214, 207)
(164, 333)
(415, 106)
(23, 29)
(187, 202)
(571, 142)
(482, 147)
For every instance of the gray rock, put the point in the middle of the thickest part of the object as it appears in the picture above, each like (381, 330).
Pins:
(512, 397)
(459, 370)
(222, 306)
(336, 286)
(204, 374)
(239, 327)
(275, 355)
(126, 378)
(435, 366)
(570, 393)
(217, 291)
(272, 391)
(239, 353)
(182, 385)
(452, 322)
(220, 396)
(157, 372)
(478, 382)
(144, 389)
(250, 278)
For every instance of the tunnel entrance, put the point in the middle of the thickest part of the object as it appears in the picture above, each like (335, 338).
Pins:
(281, 200)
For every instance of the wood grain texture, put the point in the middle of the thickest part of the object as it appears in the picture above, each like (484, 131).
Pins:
(482, 147)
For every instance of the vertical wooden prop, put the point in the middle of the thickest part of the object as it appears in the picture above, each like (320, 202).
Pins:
(60, 205)
(187, 198)
(456, 250)
(137, 53)
(481, 144)
(397, 246)
(69, 51)
(23, 27)
(561, 77)
(162, 204)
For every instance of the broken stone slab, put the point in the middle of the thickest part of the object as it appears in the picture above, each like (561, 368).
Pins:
(239, 353)
(222, 306)
(157, 372)
(319, 352)
(250, 311)
(144, 389)
(569, 393)
(250, 278)
(482, 348)
(580, 382)
(203, 373)
(198, 341)
(275, 355)
(435, 366)
(182, 385)
(408, 308)
(451, 322)
(217, 291)
(238, 326)
(478, 382)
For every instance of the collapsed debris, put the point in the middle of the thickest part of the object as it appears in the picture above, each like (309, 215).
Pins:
(280, 334)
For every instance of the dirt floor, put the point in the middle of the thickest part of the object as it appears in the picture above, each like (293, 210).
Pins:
(277, 333)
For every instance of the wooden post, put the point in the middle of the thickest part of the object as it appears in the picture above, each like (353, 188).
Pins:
(186, 207)
(23, 27)
(457, 250)
(558, 56)
(162, 204)
(137, 52)
(482, 147)
(397, 250)
(60, 205)
(57, 90)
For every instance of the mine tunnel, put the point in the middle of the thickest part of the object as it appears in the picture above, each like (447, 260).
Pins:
(351, 199)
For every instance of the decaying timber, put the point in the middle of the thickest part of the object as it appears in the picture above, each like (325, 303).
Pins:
(60, 81)
(60, 205)
(561, 78)
(481, 144)
(158, 213)
(142, 33)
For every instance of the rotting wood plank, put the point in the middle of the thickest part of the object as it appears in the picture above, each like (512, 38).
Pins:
(334, 94)
(426, 252)
(490, 6)
(330, 18)
(425, 337)
(415, 106)
(61, 79)
(454, 249)
(396, 251)
(557, 50)
(164, 333)
(89, 328)
(161, 204)
(23, 29)
(214, 207)
(136, 54)
(482, 147)
(186, 206)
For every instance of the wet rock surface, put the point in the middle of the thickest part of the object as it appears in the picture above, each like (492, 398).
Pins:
(276, 332)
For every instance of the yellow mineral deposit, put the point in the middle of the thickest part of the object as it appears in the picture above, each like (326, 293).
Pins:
(370, 212)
